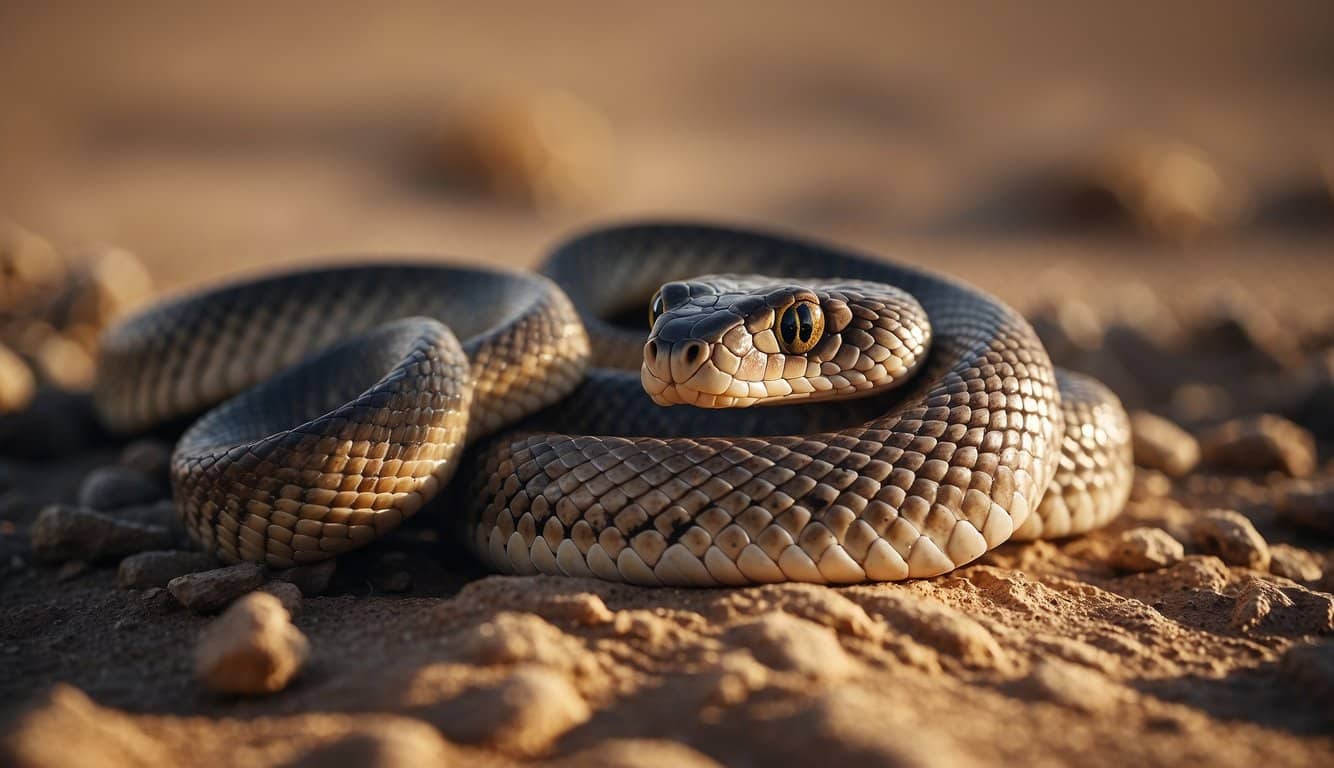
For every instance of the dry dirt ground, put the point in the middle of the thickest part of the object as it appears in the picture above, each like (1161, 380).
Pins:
(1152, 188)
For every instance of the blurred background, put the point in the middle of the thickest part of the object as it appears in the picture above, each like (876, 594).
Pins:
(220, 135)
(1142, 162)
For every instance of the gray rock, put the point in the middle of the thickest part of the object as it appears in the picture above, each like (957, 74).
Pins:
(1232, 537)
(63, 533)
(209, 591)
(311, 579)
(1159, 444)
(112, 487)
(148, 456)
(156, 569)
(287, 593)
(159, 601)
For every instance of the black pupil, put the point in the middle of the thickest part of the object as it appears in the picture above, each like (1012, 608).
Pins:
(656, 308)
(797, 323)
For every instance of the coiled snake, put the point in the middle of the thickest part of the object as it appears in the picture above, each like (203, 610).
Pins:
(347, 403)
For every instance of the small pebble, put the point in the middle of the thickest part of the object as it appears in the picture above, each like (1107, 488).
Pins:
(1145, 549)
(1159, 444)
(156, 569)
(160, 601)
(312, 580)
(112, 487)
(252, 648)
(1232, 537)
(209, 591)
(287, 593)
(1292, 563)
(1309, 505)
(63, 533)
(149, 457)
(17, 383)
(1260, 444)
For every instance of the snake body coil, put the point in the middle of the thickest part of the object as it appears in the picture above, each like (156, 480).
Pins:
(351, 400)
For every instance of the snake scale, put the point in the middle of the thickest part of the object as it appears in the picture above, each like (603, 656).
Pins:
(937, 426)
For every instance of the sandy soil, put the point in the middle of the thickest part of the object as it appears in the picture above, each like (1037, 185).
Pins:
(234, 139)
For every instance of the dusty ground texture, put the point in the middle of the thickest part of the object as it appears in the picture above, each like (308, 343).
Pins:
(1152, 189)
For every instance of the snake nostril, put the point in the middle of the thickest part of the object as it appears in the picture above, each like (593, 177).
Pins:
(693, 351)
(651, 352)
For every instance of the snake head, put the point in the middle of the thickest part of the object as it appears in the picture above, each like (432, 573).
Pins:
(732, 341)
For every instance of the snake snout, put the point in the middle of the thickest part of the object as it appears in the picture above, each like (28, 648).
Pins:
(675, 362)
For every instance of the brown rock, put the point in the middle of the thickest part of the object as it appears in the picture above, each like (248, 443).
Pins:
(1293, 563)
(213, 590)
(287, 593)
(1259, 444)
(312, 580)
(112, 487)
(1309, 505)
(1232, 537)
(1262, 606)
(523, 714)
(1160, 444)
(156, 569)
(788, 644)
(1145, 549)
(251, 649)
(64, 728)
(63, 533)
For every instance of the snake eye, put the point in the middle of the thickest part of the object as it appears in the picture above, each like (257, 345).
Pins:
(800, 327)
(655, 308)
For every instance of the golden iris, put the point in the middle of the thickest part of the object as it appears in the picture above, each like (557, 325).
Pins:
(800, 327)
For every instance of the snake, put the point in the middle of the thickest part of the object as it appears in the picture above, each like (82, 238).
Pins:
(792, 411)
